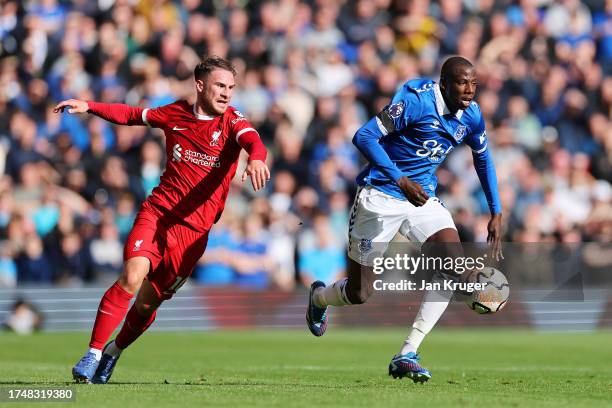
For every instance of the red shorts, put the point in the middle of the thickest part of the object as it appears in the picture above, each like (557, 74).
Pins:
(173, 249)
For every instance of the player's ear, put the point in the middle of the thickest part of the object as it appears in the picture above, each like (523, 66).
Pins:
(199, 85)
(442, 84)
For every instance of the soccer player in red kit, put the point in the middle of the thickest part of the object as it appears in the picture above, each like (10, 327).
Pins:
(203, 143)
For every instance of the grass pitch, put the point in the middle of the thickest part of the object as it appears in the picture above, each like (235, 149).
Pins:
(343, 368)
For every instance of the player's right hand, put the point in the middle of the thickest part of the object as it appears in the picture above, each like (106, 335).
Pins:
(76, 106)
(413, 191)
(259, 173)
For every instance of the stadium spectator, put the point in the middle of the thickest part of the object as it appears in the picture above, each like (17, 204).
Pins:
(24, 318)
(73, 263)
(107, 253)
(325, 260)
(8, 267)
(32, 264)
(251, 258)
(215, 267)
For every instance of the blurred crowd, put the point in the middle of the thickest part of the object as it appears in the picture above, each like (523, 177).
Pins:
(310, 74)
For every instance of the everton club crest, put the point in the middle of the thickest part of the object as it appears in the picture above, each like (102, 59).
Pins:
(365, 245)
(459, 133)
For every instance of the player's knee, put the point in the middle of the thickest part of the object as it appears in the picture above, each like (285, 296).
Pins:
(129, 284)
(130, 280)
(134, 272)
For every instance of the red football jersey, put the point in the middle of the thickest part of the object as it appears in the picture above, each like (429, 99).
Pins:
(202, 156)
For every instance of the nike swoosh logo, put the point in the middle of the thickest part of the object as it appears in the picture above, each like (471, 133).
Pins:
(178, 128)
(105, 312)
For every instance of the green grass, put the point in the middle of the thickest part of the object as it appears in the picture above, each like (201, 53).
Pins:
(344, 368)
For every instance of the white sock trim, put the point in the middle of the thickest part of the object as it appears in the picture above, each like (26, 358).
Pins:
(96, 352)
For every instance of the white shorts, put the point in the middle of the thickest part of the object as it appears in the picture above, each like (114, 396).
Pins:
(376, 217)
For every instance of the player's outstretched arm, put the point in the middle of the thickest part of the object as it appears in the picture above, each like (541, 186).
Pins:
(117, 113)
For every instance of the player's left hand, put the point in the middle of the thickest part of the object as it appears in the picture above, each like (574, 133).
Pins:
(259, 173)
(494, 236)
(73, 105)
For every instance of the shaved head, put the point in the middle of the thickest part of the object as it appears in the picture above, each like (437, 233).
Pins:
(451, 64)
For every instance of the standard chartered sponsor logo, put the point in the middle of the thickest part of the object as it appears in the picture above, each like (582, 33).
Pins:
(199, 158)
(202, 159)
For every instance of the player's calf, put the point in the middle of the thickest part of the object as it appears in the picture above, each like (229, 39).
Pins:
(358, 295)
(360, 283)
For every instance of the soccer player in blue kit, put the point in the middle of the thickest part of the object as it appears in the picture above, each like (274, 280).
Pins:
(404, 144)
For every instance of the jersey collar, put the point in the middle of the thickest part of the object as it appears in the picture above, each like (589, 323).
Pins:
(199, 116)
(440, 104)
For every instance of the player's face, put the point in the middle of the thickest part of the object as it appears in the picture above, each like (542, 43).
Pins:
(460, 88)
(215, 91)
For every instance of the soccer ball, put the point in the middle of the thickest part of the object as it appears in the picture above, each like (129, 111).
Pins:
(495, 294)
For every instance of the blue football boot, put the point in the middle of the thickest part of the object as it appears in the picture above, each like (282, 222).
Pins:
(316, 316)
(407, 365)
(105, 368)
(85, 369)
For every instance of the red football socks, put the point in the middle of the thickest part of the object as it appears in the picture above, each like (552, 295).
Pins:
(112, 310)
(134, 326)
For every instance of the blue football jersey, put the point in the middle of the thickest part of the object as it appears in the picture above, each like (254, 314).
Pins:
(418, 132)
